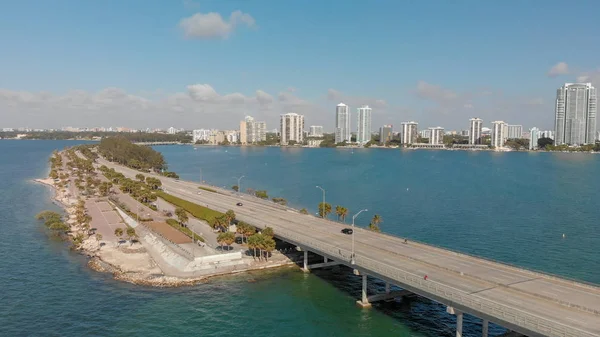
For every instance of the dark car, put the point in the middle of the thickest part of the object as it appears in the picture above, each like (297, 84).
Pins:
(347, 231)
(239, 204)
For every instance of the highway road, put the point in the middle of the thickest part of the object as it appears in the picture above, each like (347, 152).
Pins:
(529, 302)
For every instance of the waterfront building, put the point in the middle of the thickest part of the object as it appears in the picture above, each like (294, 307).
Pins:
(498, 134)
(252, 132)
(547, 134)
(385, 134)
(575, 114)
(534, 134)
(409, 132)
(514, 131)
(200, 135)
(342, 123)
(232, 136)
(475, 130)
(314, 142)
(170, 131)
(315, 131)
(436, 136)
(425, 133)
(363, 125)
(292, 128)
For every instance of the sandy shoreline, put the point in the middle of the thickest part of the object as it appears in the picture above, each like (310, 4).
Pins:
(132, 264)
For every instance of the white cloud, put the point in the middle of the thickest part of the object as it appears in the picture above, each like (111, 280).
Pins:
(590, 77)
(561, 68)
(212, 25)
(435, 93)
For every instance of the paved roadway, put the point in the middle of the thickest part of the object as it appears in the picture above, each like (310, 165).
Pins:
(532, 303)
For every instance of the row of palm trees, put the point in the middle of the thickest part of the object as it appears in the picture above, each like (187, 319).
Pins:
(130, 232)
(342, 212)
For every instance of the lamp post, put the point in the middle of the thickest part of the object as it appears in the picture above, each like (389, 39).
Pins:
(201, 181)
(354, 217)
(239, 185)
(323, 211)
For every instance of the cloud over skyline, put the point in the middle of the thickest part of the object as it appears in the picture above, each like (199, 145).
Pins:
(212, 25)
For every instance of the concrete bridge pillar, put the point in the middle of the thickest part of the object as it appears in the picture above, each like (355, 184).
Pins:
(305, 269)
(459, 320)
(324, 259)
(484, 328)
(364, 300)
(387, 287)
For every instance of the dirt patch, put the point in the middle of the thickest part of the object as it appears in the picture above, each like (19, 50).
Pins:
(168, 232)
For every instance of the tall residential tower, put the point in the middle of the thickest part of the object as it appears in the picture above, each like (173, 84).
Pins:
(409, 132)
(342, 123)
(475, 131)
(498, 134)
(575, 114)
(363, 126)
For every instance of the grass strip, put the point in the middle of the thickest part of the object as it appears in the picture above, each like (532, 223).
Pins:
(207, 189)
(199, 212)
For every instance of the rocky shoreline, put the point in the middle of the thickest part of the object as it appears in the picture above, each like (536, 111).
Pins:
(133, 266)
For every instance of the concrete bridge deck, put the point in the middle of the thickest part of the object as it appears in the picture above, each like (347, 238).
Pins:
(532, 303)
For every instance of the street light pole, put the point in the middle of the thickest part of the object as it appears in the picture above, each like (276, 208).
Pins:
(201, 181)
(323, 211)
(239, 185)
(354, 217)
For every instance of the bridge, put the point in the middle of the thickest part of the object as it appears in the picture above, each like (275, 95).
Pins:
(157, 143)
(523, 301)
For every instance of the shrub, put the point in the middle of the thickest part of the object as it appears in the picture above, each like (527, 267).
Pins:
(207, 189)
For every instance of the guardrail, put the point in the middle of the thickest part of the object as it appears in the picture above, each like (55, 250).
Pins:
(494, 309)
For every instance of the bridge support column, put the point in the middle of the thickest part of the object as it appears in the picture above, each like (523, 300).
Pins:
(324, 259)
(305, 269)
(364, 301)
(459, 323)
(484, 328)
(387, 287)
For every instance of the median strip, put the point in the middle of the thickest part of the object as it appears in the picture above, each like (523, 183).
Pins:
(199, 212)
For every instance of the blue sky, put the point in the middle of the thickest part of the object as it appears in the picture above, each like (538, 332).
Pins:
(131, 62)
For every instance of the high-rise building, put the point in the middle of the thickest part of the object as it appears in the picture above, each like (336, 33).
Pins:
(172, 131)
(575, 114)
(385, 134)
(292, 128)
(252, 132)
(409, 132)
(498, 133)
(315, 131)
(200, 135)
(464, 133)
(363, 125)
(425, 133)
(514, 131)
(436, 135)
(475, 131)
(534, 134)
(547, 134)
(342, 123)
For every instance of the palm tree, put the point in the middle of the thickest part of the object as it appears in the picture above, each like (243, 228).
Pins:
(344, 213)
(226, 238)
(181, 215)
(131, 234)
(338, 211)
(374, 225)
(140, 177)
(119, 233)
(250, 230)
(268, 231)
(230, 216)
(99, 238)
(324, 209)
(241, 229)
(253, 242)
(268, 245)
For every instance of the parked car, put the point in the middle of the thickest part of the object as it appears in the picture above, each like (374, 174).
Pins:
(239, 204)
(347, 231)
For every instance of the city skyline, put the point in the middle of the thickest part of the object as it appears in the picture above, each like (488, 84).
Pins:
(193, 68)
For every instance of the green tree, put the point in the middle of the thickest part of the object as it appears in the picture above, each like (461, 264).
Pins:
(343, 213)
(268, 231)
(119, 233)
(249, 231)
(241, 229)
(235, 188)
(374, 225)
(181, 215)
(254, 243)
(543, 142)
(226, 238)
(261, 194)
(338, 211)
(267, 245)
(131, 234)
(280, 201)
(303, 211)
(324, 209)
(230, 216)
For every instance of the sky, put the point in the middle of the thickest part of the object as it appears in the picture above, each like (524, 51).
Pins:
(207, 64)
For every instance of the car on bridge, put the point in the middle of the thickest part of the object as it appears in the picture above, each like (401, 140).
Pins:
(347, 231)
(239, 204)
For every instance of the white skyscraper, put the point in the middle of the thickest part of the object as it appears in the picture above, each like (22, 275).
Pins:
(200, 135)
(409, 132)
(363, 126)
(498, 133)
(534, 134)
(342, 123)
(475, 131)
(171, 131)
(575, 114)
(292, 128)
(436, 135)
(315, 131)
(252, 132)
(514, 131)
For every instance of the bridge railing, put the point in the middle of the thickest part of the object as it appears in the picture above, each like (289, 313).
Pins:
(494, 309)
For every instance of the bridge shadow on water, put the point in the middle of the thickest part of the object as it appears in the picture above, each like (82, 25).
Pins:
(419, 314)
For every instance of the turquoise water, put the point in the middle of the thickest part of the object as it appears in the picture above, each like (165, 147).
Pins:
(512, 207)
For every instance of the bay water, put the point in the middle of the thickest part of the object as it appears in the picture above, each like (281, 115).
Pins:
(511, 207)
